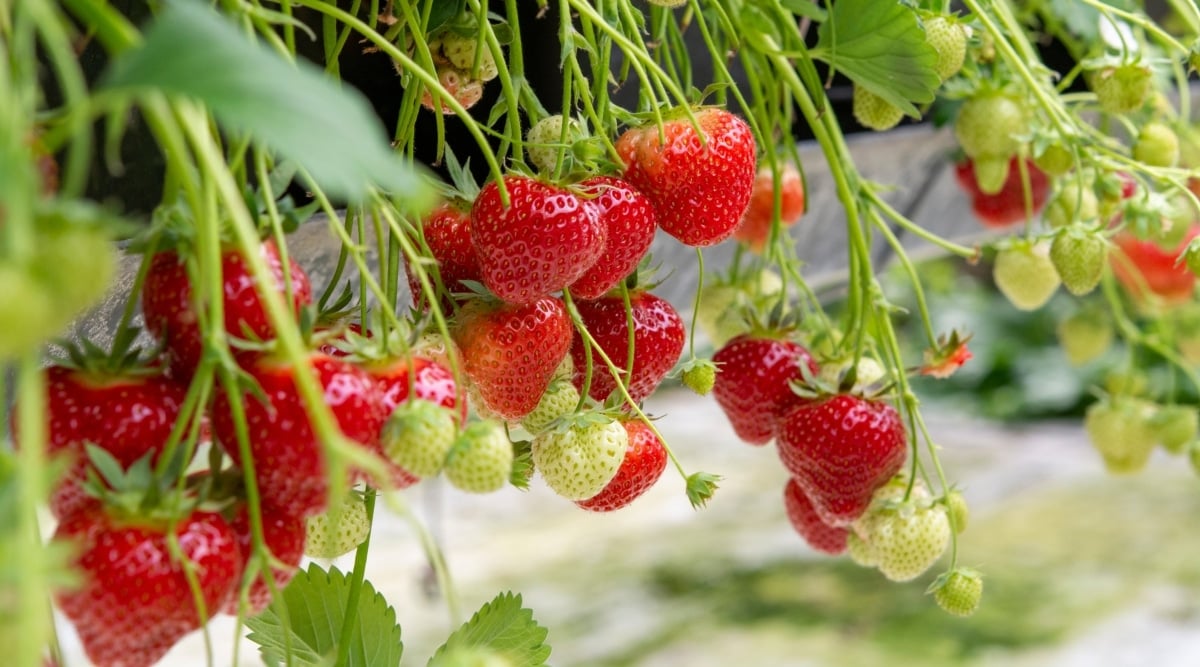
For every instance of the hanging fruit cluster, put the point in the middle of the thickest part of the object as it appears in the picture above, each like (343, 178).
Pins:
(241, 415)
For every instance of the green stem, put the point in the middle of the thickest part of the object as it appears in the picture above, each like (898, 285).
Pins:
(350, 619)
(32, 586)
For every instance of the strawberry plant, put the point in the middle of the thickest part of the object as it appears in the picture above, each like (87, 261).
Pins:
(494, 307)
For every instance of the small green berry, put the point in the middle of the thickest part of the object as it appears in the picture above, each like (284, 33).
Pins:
(700, 377)
(481, 459)
(337, 533)
(957, 510)
(958, 592)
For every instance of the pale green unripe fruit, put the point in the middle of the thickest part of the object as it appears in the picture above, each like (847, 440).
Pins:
(1026, 275)
(337, 533)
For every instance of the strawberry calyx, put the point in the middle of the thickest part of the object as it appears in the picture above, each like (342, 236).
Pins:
(121, 363)
(140, 495)
(948, 354)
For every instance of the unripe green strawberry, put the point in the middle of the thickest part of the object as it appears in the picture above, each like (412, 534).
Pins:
(991, 174)
(948, 37)
(578, 461)
(1079, 255)
(958, 591)
(873, 112)
(461, 51)
(1074, 202)
(1121, 429)
(990, 125)
(40, 319)
(907, 538)
(1025, 274)
(1123, 88)
(560, 399)
(957, 510)
(1176, 427)
(544, 137)
(481, 459)
(1156, 146)
(1055, 160)
(860, 550)
(330, 536)
(1129, 382)
(418, 436)
(1085, 336)
(700, 377)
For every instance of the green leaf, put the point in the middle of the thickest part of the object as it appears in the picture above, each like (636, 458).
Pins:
(880, 46)
(442, 12)
(500, 627)
(315, 604)
(191, 51)
(805, 8)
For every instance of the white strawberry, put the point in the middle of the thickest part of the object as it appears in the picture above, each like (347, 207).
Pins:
(578, 460)
(418, 436)
(337, 531)
(481, 459)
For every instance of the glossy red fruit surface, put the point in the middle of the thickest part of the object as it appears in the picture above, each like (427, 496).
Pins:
(804, 518)
(447, 232)
(129, 415)
(644, 462)
(170, 306)
(629, 225)
(839, 450)
(289, 463)
(283, 535)
(544, 240)
(135, 602)
(510, 352)
(754, 382)
(658, 338)
(700, 186)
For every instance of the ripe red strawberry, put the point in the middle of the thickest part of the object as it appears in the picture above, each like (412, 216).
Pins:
(135, 602)
(644, 462)
(755, 227)
(546, 239)
(419, 376)
(1006, 207)
(283, 535)
(171, 310)
(629, 225)
(840, 450)
(1144, 265)
(447, 232)
(753, 387)
(130, 415)
(400, 377)
(658, 337)
(819, 535)
(700, 188)
(509, 351)
(289, 464)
